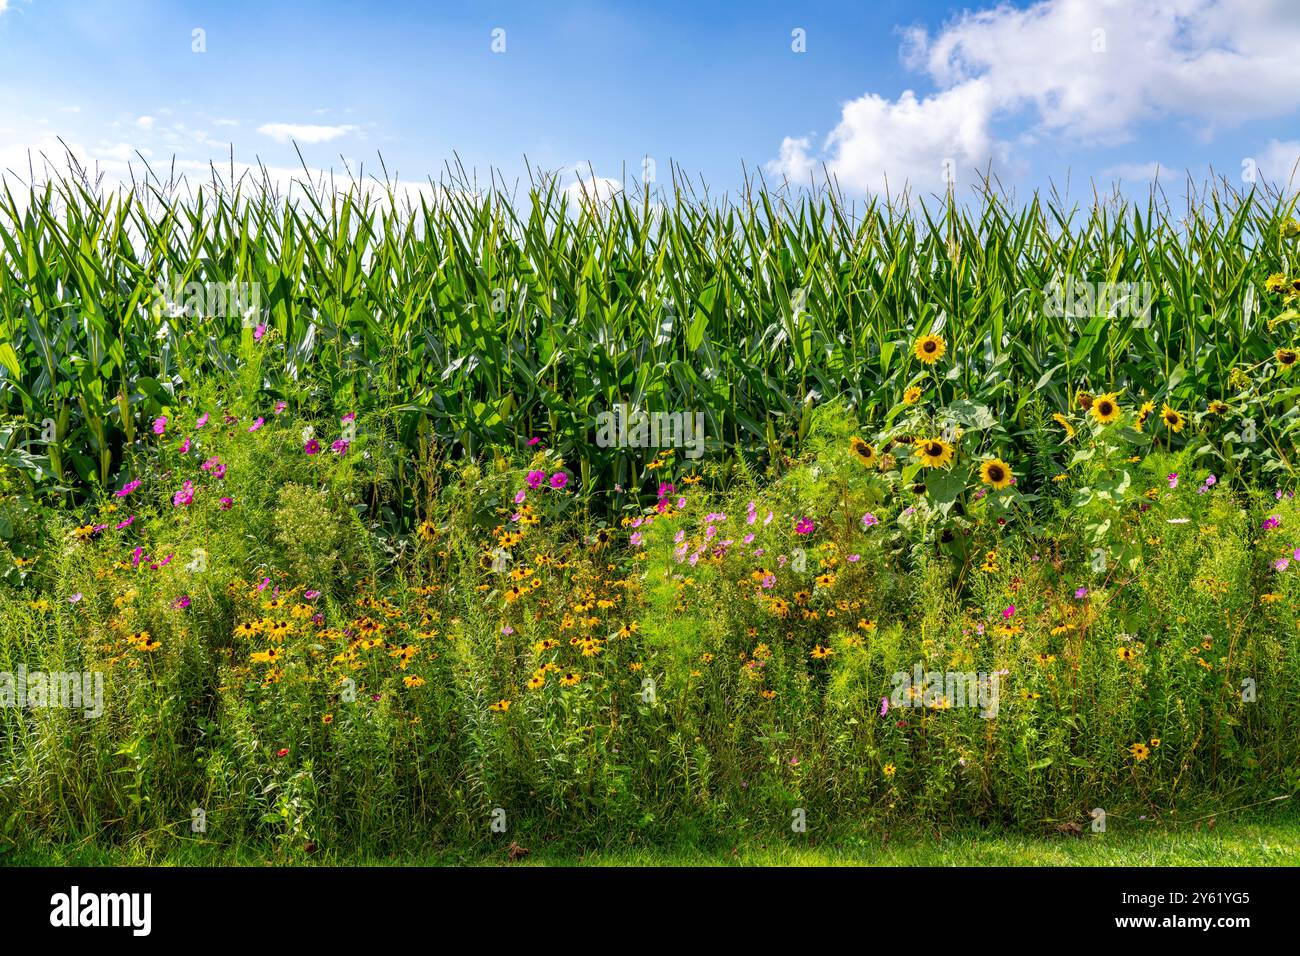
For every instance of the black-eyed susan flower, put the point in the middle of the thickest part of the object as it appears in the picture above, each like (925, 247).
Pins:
(500, 707)
(1172, 418)
(1139, 751)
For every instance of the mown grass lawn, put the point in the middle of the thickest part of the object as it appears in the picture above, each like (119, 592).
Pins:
(1260, 839)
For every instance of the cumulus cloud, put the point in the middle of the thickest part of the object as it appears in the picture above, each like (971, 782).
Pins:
(303, 132)
(1086, 72)
(1279, 163)
(144, 122)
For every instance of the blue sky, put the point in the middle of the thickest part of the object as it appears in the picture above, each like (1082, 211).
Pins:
(883, 93)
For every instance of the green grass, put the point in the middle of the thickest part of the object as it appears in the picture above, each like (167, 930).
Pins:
(1258, 839)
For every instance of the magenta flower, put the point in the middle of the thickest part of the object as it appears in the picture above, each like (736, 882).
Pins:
(340, 447)
(312, 447)
(805, 526)
(1080, 594)
(869, 519)
(181, 603)
(520, 495)
(227, 504)
(311, 595)
(185, 496)
(259, 332)
(203, 420)
(1274, 521)
(349, 417)
(280, 406)
(1281, 564)
(257, 424)
(185, 447)
(535, 479)
(533, 441)
(210, 464)
(160, 424)
(1009, 613)
(559, 480)
(125, 523)
(127, 488)
(1172, 478)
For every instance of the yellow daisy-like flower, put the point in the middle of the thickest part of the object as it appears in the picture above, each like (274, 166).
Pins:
(1139, 750)
(934, 452)
(500, 706)
(929, 349)
(537, 681)
(1275, 283)
(821, 653)
(1286, 358)
(1172, 418)
(570, 679)
(1064, 423)
(911, 395)
(889, 770)
(1105, 408)
(863, 452)
(997, 473)
(1143, 414)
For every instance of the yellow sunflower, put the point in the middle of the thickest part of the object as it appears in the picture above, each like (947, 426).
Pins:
(912, 395)
(1286, 358)
(929, 349)
(1064, 423)
(997, 473)
(934, 452)
(1105, 408)
(864, 452)
(1173, 418)
(1143, 414)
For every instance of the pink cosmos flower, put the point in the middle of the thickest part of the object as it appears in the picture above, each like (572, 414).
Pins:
(312, 447)
(869, 519)
(535, 479)
(160, 424)
(185, 496)
(559, 480)
(1009, 613)
(805, 526)
(280, 406)
(533, 441)
(520, 495)
(182, 602)
(203, 420)
(349, 417)
(340, 447)
(127, 488)
(185, 447)
(227, 504)
(125, 523)
(259, 332)
(258, 423)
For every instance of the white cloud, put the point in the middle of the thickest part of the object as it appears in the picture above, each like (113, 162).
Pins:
(597, 189)
(1086, 72)
(1278, 163)
(305, 133)
(225, 122)
(144, 122)
(1134, 172)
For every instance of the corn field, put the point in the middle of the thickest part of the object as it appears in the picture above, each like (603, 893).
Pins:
(478, 320)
